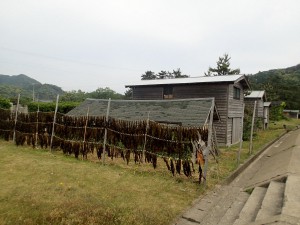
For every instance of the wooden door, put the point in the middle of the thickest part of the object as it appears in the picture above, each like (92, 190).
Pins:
(236, 130)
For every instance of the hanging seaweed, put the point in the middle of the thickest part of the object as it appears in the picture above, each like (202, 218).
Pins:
(166, 160)
(172, 167)
(178, 166)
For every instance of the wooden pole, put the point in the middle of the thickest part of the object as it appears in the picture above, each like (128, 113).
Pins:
(145, 140)
(241, 137)
(86, 122)
(105, 132)
(84, 135)
(54, 120)
(215, 141)
(16, 116)
(37, 126)
(208, 147)
(252, 126)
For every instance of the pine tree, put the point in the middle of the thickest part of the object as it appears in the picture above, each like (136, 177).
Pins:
(223, 67)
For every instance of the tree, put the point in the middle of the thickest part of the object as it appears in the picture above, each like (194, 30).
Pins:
(105, 93)
(4, 103)
(149, 75)
(128, 94)
(162, 75)
(177, 74)
(74, 96)
(223, 67)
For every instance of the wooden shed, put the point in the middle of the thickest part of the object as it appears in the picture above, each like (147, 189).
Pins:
(260, 98)
(262, 106)
(291, 113)
(267, 106)
(228, 91)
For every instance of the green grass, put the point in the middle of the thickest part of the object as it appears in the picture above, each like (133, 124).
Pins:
(39, 187)
(228, 157)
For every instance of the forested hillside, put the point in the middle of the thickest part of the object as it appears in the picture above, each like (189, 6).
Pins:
(10, 86)
(280, 85)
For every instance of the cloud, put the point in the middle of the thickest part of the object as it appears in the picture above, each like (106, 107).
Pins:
(93, 43)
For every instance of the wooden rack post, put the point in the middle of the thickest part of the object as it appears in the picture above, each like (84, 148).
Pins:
(145, 140)
(208, 147)
(86, 123)
(16, 116)
(37, 126)
(105, 132)
(252, 127)
(241, 137)
(54, 120)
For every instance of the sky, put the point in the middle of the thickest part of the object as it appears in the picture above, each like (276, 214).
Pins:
(90, 44)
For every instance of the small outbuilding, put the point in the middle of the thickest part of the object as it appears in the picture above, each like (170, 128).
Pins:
(267, 106)
(291, 113)
(227, 90)
(262, 106)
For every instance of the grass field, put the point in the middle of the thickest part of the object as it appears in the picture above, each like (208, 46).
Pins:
(39, 187)
(228, 158)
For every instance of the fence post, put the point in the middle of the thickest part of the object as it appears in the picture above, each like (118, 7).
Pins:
(208, 147)
(105, 132)
(54, 120)
(16, 116)
(241, 137)
(252, 126)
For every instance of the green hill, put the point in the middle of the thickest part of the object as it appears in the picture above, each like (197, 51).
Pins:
(280, 85)
(11, 86)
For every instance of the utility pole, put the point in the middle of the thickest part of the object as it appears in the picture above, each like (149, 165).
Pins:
(33, 92)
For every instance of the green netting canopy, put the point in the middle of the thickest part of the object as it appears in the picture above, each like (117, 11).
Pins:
(185, 112)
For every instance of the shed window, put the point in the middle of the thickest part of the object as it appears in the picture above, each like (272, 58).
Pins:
(236, 93)
(168, 92)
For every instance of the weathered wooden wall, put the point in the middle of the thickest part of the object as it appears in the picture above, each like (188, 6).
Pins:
(147, 93)
(219, 92)
(228, 107)
(259, 106)
(235, 114)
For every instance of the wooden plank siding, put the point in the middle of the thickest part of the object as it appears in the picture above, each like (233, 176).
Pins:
(235, 106)
(230, 109)
(147, 93)
(259, 106)
(185, 91)
(235, 114)
(219, 92)
(236, 127)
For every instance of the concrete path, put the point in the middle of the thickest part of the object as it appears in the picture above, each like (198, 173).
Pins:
(266, 192)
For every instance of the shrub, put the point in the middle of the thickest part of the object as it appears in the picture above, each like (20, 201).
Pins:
(63, 107)
(4, 103)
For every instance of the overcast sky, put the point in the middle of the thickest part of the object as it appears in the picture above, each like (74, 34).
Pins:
(86, 44)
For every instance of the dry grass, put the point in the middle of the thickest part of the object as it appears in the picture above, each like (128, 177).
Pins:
(39, 187)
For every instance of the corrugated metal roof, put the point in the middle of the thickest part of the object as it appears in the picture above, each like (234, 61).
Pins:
(267, 104)
(189, 112)
(291, 110)
(256, 94)
(188, 80)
